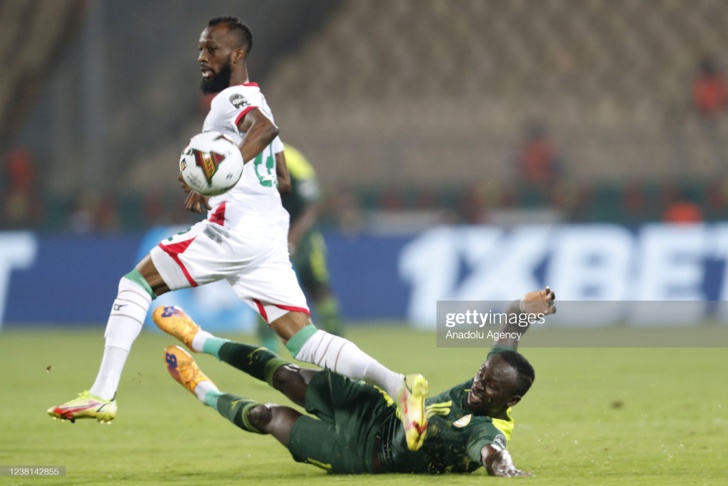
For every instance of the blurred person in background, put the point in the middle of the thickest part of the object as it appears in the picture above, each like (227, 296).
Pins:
(709, 101)
(536, 166)
(22, 206)
(682, 209)
(244, 241)
(709, 89)
(306, 246)
(537, 161)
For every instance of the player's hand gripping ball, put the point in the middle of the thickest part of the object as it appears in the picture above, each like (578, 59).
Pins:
(211, 164)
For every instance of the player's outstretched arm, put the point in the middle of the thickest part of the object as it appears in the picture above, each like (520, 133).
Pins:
(533, 306)
(498, 462)
(259, 132)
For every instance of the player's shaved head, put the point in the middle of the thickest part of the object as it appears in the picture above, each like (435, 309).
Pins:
(525, 372)
(237, 28)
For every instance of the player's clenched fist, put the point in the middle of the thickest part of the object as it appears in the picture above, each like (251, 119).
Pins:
(539, 302)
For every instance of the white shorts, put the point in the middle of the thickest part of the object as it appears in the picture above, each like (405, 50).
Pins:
(257, 267)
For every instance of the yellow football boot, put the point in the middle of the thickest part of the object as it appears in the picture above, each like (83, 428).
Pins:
(174, 321)
(183, 368)
(86, 406)
(411, 409)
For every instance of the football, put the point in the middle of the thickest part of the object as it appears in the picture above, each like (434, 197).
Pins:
(211, 163)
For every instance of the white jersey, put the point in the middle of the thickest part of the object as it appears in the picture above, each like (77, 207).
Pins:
(244, 240)
(254, 202)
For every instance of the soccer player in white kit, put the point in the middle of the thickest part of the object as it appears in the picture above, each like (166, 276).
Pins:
(244, 242)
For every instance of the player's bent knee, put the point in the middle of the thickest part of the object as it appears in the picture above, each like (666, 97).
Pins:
(260, 416)
(290, 375)
(284, 375)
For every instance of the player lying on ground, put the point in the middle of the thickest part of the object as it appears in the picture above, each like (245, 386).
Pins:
(244, 241)
(358, 429)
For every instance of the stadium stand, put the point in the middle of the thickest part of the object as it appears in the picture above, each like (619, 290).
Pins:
(32, 32)
(608, 77)
(420, 104)
(457, 80)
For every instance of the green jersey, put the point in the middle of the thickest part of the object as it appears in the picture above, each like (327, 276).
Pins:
(455, 437)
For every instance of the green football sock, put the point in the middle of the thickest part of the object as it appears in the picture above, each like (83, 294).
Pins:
(256, 361)
(211, 398)
(212, 346)
(236, 410)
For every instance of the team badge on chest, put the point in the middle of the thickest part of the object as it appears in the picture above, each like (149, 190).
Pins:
(463, 421)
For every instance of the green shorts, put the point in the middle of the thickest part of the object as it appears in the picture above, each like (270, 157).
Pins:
(309, 261)
(349, 415)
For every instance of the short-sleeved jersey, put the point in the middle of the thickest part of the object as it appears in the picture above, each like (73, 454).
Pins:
(455, 437)
(304, 186)
(254, 202)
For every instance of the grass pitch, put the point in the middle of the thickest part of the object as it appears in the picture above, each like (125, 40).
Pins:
(594, 415)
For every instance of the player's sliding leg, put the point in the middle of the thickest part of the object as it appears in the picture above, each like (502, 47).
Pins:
(257, 361)
(245, 413)
(124, 325)
(264, 365)
(312, 345)
(186, 372)
(309, 344)
(306, 343)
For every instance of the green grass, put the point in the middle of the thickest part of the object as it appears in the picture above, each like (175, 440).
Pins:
(594, 416)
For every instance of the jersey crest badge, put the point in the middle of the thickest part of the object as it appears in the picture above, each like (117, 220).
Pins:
(239, 101)
(463, 421)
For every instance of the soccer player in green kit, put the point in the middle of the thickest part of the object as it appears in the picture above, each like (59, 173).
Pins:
(357, 430)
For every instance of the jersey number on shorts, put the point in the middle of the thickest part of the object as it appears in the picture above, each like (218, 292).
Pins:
(265, 167)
